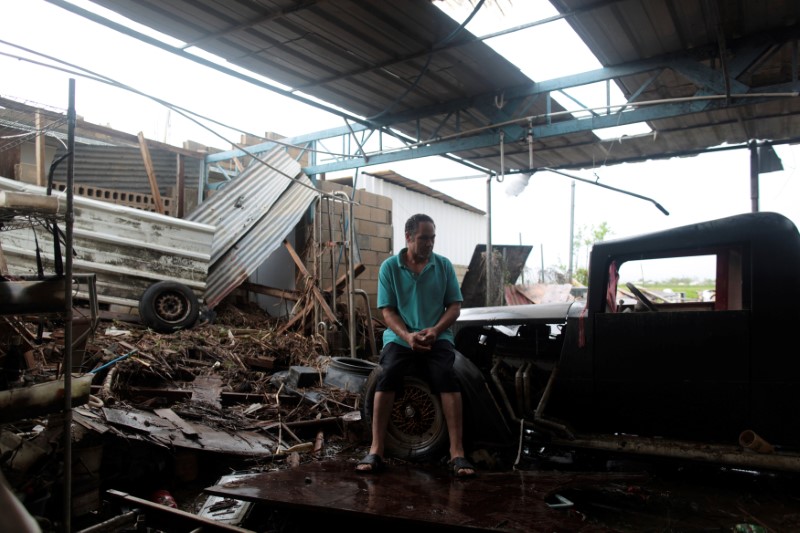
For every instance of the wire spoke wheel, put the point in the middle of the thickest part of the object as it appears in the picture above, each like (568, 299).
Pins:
(417, 430)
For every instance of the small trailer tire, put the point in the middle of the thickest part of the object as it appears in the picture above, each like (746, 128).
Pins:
(168, 306)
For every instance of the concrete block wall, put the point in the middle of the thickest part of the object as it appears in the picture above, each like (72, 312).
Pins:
(372, 215)
(145, 202)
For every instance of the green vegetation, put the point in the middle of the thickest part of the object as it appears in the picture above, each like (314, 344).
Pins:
(693, 289)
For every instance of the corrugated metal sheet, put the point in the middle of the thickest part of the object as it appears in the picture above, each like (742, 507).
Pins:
(122, 168)
(515, 297)
(253, 214)
(128, 249)
(402, 65)
(245, 200)
(382, 60)
(265, 236)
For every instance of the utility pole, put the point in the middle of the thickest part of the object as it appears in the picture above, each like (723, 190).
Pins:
(571, 233)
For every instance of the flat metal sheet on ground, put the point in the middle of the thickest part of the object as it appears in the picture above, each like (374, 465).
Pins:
(419, 496)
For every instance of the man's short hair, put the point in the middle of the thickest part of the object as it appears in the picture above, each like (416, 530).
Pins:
(413, 222)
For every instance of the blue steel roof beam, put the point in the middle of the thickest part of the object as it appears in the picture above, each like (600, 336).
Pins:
(642, 88)
(581, 104)
(706, 77)
(523, 91)
(294, 141)
(503, 112)
(418, 152)
(444, 121)
(639, 114)
(747, 47)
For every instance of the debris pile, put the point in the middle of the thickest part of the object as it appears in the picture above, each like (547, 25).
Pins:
(168, 410)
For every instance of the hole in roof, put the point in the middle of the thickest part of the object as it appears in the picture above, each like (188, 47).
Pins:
(544, 47)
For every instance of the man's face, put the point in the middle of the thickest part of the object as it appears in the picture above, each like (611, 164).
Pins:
(421, 243)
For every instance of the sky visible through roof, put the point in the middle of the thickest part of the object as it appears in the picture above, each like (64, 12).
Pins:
(692, 189)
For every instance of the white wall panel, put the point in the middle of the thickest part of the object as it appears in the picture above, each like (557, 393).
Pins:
(457, 230)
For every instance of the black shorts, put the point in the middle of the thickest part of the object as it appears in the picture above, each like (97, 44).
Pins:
(398, 361)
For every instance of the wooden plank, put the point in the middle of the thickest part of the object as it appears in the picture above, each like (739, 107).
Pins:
(185, 427)
(340, 283)
(151, 174)
(314, 289)
(172, 519)
(271, 291)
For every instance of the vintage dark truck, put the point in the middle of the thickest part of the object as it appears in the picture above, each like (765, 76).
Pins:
(706, 381)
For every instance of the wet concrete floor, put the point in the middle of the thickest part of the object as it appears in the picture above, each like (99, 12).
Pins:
(422, 498)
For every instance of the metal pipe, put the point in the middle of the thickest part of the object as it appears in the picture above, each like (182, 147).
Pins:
(750, 440)
(351, 273)
(332, 205)
(370, 325)
(488, 299)
(537, 422)
(69, 215)
(526, 381)
(519, 385)
(503, 395)
(348, 245)
(693, 451)
(315, 238)
(546, 394)
(113, 524)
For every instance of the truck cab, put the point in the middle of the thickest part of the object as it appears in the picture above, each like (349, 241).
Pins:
(694, 379)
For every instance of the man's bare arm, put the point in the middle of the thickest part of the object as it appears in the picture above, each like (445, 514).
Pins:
(448, 318)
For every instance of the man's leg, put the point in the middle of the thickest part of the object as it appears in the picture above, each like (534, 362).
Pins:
(381, 412)
(454, 416)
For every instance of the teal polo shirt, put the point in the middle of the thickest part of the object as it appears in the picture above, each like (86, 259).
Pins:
(419, 298)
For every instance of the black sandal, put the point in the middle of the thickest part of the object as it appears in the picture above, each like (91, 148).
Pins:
(458, 465)
(375, 463)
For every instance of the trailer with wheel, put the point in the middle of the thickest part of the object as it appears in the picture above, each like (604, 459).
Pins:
(146, 264)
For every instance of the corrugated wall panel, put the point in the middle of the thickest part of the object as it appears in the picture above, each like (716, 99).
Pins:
(262, 239)
(122, 168)
(247, 199)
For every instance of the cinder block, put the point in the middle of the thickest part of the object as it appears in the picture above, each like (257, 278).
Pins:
(362, 212)
(380, 244)
(364, 242)
(384, 202)
(383, 230)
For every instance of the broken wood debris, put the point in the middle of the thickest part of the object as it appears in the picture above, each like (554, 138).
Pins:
(219, 388)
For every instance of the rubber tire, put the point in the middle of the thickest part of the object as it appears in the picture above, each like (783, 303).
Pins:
(417, 429)
(168, 306)
(484, 424)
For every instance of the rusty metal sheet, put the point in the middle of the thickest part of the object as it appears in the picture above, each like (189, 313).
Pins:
(422, 496)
